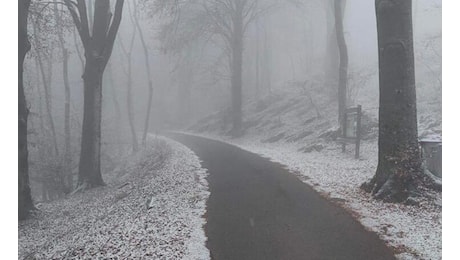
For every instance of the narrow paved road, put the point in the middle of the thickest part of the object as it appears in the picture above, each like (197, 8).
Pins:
(257, 210)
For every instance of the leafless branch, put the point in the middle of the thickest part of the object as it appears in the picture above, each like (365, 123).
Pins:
(112, 33)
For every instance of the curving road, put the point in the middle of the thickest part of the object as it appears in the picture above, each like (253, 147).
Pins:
(257, 210)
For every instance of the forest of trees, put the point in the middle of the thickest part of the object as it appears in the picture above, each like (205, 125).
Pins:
(96, 76)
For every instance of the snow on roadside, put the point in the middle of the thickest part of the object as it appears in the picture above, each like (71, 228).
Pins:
(414, 232)
(151, 208)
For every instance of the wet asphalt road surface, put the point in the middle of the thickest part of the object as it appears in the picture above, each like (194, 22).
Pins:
(258, 210)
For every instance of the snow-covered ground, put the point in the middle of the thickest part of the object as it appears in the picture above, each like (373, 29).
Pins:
(152, 207)
(414, 232)
(297, 131)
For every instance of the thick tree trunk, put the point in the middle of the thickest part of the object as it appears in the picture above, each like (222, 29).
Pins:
(98, 49)
(236, 80)
(25, 204)
(89, 167)
(399, 157)
(343, 58)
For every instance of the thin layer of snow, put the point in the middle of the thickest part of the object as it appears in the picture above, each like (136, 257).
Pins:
(414, 232)
(431, 138)
(151, 208)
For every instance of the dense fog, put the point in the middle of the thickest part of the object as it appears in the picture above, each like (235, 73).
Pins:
(104, 79)
(292, 42)
(296, 34)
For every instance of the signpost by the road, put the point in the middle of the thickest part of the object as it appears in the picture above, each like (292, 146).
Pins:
(351, 128)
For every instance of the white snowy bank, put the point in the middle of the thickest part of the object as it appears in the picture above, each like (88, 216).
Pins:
(414, 232)
(151, 208)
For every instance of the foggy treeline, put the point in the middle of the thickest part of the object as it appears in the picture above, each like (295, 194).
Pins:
(154, 65)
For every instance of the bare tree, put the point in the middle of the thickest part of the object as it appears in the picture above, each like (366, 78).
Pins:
(399, 156)
(98, 47)
(25, 203)
(339, 6)
(230, 19)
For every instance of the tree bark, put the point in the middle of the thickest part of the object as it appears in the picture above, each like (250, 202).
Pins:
(25, 203)
(399, 157)
(89, 173)
(98, 49)
(343, 58)
(89, 167)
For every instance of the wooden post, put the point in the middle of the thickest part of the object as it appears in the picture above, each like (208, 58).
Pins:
(358, 131)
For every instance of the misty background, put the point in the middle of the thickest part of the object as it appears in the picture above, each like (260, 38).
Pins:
(287, 49)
